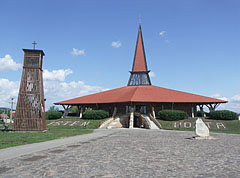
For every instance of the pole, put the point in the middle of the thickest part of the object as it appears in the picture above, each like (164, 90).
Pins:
(11, 110)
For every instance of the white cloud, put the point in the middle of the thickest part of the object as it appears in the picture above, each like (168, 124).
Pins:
(56, 91)
(67, 90)
(162, 33)
(59, 75)
(166, 41)
(116, 44)
(77, 52)
(235, 107)
(152, 74)
(8, 89)
(55, 88)
(232, 105)
(218, 96)
(236, 98)
(7, 63)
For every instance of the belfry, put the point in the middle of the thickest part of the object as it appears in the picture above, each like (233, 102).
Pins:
(139, 73)
(137, 103)
(30, 110)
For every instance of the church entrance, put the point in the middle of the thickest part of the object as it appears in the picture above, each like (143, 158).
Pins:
(138, 122)
(142, 109)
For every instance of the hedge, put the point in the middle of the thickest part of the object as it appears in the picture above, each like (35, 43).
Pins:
(223, 115)
(53, 114)
(95, 114)
(172, 115)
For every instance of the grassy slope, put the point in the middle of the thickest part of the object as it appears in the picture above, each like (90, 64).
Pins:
(9, 139)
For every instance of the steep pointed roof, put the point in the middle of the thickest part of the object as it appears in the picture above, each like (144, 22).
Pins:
(139, 63)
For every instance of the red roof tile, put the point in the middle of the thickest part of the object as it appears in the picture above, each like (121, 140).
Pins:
(148, 93)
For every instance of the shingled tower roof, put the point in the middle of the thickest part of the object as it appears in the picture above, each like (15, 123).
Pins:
(139, 73)
(139, 63)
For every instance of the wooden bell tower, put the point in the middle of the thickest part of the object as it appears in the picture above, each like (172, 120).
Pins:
(30, 111)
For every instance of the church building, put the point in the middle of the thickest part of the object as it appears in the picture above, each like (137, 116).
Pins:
(140, 96)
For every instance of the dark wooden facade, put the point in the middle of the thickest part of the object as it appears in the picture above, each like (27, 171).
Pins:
(145, 108)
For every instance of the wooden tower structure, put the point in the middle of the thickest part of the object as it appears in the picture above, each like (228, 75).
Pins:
(30, 111)
(139, 74)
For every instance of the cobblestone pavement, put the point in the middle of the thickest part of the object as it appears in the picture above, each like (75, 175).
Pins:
(134, 153)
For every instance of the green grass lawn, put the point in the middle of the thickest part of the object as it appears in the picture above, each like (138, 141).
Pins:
(220, 126)
(55, 131)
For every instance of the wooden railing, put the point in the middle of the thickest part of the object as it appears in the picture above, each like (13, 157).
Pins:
(155, 121)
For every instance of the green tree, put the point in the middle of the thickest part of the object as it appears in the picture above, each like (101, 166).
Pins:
(53, 113)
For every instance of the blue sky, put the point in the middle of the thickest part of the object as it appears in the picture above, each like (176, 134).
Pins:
(190, 46)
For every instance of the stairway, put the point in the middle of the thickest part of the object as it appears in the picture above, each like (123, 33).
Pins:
(152, 125)
(115, 124)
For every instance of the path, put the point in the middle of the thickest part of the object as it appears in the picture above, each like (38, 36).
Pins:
(132, 153)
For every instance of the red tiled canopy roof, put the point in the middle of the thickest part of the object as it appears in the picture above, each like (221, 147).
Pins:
(146, 94)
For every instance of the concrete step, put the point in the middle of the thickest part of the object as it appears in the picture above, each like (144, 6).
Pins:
(115, 124)
(152, 124)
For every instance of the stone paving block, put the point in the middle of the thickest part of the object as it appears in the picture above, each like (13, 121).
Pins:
(134, 153)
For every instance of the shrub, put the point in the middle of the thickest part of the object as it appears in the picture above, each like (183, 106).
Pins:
(223, 115)
(172, 115)
(95, 114)
(74, 109)
(53, 113)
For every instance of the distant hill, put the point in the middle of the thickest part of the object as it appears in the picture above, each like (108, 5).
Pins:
(5, 108)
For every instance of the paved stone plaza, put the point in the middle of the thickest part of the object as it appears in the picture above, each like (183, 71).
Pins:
(132, 153)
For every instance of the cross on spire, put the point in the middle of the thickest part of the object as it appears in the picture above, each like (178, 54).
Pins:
(34, 44)
(139, 19)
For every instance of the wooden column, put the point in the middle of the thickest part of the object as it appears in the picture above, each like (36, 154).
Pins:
(201, 110)
(66, 110)
(153, 112)
(192, 112)
(114, 111)
(131, 121)
(212, 107)
(81, 112)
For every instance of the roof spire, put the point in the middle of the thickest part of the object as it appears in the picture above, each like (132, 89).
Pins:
(139, 63)
(139, 73)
